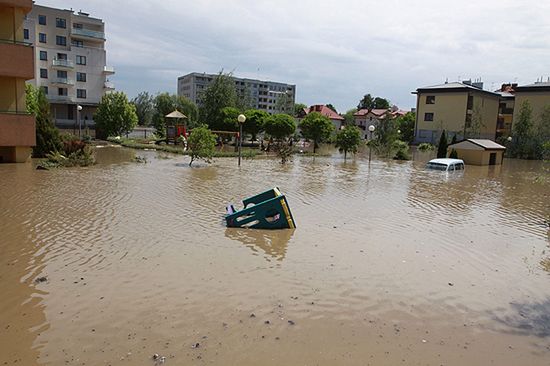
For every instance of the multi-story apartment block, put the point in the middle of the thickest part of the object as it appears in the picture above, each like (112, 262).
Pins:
(17, 127)
(269, 96)
(70, 62)
(455, 107)
(538, 95)
(505, 110)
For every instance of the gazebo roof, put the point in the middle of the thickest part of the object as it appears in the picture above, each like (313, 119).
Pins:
(176, 114)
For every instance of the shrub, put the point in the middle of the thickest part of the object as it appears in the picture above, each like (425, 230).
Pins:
(453, 154)
(426, 147)
(401, 150)
(201, 144)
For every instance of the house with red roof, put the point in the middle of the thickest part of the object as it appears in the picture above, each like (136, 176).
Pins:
(337, 120)
(365, 117)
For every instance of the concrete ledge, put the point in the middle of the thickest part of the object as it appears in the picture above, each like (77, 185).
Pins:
(17, 130)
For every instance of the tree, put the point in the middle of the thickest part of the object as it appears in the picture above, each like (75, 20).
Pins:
(229, 119)
(165, 103)
(201, 144)
(280, 126)
(317, 128)
(332, 108)
(442, 147)
(475, 123)
(349, 118)
(255, 120)
(218, 95)
(115, 115)
(348, 140)
(283, 104)
(406, 125)
(523, 132)
(453, 141)
(144, 108)
(48, 139)
(453, 154)
(370, 102)
(298, 107)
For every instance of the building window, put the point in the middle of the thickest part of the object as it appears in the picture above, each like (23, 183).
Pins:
(81, 93)
(43, 56)
(42, 37)
(42, 19)
(62, 92)
(81, 76)
(45, 89)
(44, 73)
(61, 40)
(430, 99)
(60, 23)
(61, 74)
(77, 26)
(81, 60)
(77, 43)
(61, 56)
(25, 33)
(428, 117)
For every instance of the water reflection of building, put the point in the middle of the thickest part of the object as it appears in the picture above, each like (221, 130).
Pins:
(273, 243)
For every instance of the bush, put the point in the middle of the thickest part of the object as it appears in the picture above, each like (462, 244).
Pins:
(426, 147)
(401, 150)
(201, 144)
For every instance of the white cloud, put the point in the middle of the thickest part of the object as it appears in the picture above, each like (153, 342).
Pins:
(334, 51)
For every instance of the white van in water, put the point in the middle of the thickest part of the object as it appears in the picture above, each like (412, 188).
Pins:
(447, 165)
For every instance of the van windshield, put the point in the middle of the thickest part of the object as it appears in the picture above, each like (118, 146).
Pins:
(437, 166)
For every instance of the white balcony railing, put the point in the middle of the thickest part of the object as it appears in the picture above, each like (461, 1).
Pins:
(64, 81)
(109, 85)
(62, 63)
(108, 69)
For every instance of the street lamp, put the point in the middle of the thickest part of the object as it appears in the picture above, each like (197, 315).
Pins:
(241, 118)
(78, 109)
(371, 130)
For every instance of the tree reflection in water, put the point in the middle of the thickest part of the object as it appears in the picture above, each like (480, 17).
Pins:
(528, 318)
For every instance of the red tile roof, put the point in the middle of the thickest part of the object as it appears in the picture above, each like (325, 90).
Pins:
(378, 112)
(325, 111)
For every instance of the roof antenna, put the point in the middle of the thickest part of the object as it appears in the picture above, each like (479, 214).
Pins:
(446, 80)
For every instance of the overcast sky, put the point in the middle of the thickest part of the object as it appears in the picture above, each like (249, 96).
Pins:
(334, 51)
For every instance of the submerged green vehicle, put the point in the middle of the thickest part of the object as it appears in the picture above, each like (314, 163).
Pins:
(267, 210)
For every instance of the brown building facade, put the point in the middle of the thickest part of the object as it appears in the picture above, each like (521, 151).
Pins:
(17, 127)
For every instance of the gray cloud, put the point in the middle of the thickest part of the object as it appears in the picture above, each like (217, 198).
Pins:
(334, 51)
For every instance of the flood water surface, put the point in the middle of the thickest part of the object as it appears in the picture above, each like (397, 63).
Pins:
(389, 264)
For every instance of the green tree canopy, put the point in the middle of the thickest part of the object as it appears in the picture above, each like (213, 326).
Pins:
(317, 128)
(370, 102)
(280, 126)
(115, 115)
(165, 103)
(218, 95)
(255, 120)
(201, 144)
(145, 108)
(348, 140)
(349, 119)
(229, 119)
(406, 125)
(442, 147)
(48, 139)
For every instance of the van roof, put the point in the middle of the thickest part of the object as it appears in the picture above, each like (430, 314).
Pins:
(446, 161)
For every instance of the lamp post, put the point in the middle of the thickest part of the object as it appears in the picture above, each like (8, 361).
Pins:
(241, 118)
(78, 109)
(371, 130)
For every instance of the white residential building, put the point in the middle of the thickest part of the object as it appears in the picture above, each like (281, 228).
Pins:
(70, 62)
(269, 96)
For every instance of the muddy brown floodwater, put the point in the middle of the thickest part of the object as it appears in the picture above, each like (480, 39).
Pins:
(389, 265)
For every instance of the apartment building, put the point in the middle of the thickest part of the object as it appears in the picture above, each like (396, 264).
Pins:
(456, 107)
(269, 96)
(70, 62)
(17, 127)
(538, 95)
(505, 110)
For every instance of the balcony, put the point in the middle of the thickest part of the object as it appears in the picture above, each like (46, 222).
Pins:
(17, 59)
(87, 34)
(63, 81)
(109, 85)
(108, 70)
(17, 129)
(62, 64)
(60, 99)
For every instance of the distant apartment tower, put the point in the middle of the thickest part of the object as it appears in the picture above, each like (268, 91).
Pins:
(17, 127)
(269, 96)
(70, 62)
